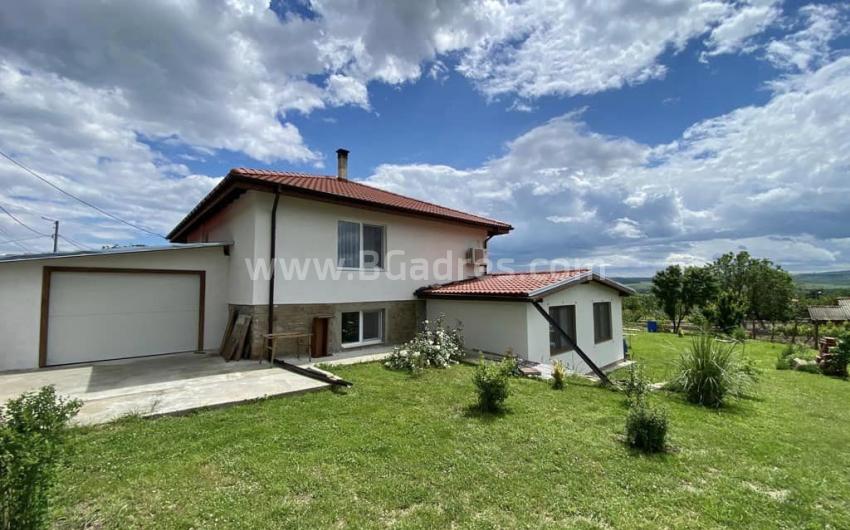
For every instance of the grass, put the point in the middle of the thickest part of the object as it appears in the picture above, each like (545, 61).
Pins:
(412, 452)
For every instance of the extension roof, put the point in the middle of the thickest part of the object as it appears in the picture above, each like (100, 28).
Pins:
(518, 285)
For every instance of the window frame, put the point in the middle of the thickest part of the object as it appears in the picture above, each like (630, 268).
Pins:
(361, 250)
(382, 326)
(598, 335)
(574, 337)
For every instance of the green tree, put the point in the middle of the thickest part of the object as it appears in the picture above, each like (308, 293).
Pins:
(727, 311)
(766, 290)
(679, 291)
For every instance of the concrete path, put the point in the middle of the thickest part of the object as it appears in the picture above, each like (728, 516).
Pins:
(152, 386)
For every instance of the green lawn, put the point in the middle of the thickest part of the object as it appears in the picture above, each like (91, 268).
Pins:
(404, 452)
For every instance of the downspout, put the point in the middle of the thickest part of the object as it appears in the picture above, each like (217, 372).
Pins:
(552, 322)
(305, 371)
(272, 256)
(486, 240)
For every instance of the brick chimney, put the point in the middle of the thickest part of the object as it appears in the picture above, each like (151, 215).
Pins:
(342, 164)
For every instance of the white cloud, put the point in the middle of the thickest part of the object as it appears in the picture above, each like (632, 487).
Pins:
(734, 33)
(808, 47)
(769, 178)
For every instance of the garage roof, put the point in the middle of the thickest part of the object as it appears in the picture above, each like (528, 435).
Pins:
(326, 188)
(106, 251)
(518, 285)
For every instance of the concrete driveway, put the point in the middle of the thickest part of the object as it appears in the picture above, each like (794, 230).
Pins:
(164, 384)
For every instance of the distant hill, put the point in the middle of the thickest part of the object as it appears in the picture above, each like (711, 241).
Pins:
(804, 280)
(641, 285)
(823, 280)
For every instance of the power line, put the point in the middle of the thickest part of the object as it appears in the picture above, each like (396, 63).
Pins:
(78, 245)
(25, 247)
(19, 240)
(28, 227)
(90, 205)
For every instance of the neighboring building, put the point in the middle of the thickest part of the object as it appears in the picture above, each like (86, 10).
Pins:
(358, 258)
(826, 314)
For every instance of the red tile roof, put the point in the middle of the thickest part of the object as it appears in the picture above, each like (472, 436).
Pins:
(519, 284)
(331, 188)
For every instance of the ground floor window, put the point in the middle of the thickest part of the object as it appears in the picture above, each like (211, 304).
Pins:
(362, 327)
(565, 316)
(602, 322)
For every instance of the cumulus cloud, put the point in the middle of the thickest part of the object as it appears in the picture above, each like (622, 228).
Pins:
(735, 31)
(808, 47)
(111, 100)
(770, 178)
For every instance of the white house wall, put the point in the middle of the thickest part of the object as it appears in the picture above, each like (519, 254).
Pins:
(487, 326)
(307, 230)
(20, 295)
(583, 297)
(237, 224)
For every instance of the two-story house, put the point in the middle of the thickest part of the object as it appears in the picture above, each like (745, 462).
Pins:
(349, 265)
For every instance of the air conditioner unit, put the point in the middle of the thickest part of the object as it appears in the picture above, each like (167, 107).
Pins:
(476, 255)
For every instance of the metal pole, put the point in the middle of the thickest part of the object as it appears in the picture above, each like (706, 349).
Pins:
(599, 373)
(55, 236)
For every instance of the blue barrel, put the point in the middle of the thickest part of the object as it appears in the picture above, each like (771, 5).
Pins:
(652, 326)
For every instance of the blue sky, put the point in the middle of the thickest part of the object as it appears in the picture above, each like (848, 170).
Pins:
(608, 135)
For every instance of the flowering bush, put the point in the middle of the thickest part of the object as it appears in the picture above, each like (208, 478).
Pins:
(436, 346)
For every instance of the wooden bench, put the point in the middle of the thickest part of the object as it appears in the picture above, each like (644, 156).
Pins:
(273, 338)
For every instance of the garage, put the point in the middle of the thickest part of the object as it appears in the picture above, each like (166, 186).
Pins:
(97, 314)
(114, 303)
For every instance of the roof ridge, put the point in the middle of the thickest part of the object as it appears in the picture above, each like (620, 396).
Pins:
(428, 202)
(357, 182)
(579, 269)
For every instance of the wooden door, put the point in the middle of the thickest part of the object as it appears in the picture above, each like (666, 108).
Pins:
(319, 342)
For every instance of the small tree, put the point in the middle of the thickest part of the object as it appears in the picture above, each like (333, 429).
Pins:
(727, 311)
(680, 291)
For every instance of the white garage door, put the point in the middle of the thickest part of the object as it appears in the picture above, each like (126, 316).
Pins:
(94, 316)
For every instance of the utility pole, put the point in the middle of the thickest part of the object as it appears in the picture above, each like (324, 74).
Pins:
(55, 233)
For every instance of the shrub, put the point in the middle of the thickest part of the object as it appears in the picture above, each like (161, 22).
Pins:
(790, 352)
(635, 385)
(32, 433)
(437, 345)
(739, 334)
(492, 383)
(559, 375)
(646, 427)
(835, 363)
(710, 371)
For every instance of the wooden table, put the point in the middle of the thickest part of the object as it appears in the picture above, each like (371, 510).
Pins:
(272, 338)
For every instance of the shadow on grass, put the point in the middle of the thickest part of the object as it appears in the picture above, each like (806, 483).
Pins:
(474, 411)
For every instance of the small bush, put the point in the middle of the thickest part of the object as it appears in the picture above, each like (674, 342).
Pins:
(646, 427)
(492, 383)
(32, 433)
(437, 345)
(559, 375)
(790, 352)
(635, 386)
(710, 371)
(739, 334)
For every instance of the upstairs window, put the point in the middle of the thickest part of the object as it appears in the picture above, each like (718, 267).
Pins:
(360, 245)
(565, 316)
(602, 322)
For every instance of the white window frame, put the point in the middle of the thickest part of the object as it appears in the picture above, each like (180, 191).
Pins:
(361, 341)
(362, 224)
